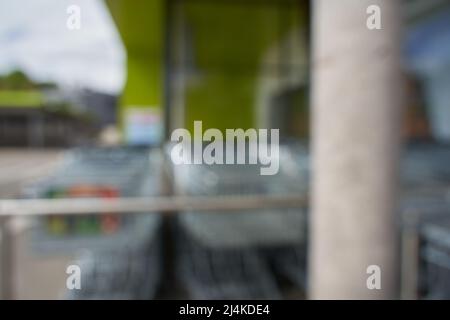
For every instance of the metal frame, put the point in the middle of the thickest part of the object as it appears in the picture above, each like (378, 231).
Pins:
(165, 205)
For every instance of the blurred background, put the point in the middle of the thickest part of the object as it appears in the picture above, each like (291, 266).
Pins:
(88, 112)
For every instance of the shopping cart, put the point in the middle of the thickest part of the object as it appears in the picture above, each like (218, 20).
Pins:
(121, 253)
(425, 209)
(435, 260)
(227, 255)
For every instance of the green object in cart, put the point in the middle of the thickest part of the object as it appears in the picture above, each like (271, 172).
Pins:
(88, 225)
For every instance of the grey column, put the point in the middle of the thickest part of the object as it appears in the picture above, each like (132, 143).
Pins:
(356, 120)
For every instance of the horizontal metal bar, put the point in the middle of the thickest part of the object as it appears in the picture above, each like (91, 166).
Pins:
(36, 207)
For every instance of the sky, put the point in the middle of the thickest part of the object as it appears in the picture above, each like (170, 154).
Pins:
(34, 37)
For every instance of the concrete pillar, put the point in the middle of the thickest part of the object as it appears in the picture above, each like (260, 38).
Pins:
(356, 115)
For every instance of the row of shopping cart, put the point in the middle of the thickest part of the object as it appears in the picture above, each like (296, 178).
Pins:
(218, 254)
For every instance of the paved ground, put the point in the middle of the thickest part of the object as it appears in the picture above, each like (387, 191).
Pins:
(21, 166)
